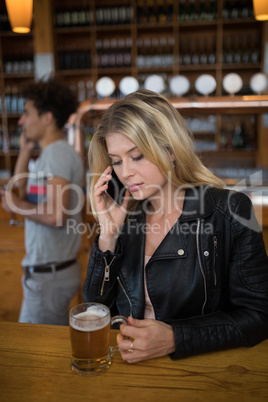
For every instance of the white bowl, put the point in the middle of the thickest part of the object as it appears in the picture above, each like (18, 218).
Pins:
(205, 84)
(105, 86)
(155, 83)
(258, 83)
(128, 85)
(179, 85)
(232, 83)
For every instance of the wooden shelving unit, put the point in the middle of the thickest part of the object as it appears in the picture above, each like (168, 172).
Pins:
(137, 38)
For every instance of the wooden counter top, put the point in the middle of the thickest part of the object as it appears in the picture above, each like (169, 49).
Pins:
(35, 366)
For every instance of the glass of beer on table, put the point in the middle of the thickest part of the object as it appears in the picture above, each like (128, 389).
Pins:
(90, 325)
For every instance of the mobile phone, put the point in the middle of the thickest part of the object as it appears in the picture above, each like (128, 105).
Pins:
(116, 190)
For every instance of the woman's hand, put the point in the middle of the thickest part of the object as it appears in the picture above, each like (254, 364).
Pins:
(111, 216)
(150, 339)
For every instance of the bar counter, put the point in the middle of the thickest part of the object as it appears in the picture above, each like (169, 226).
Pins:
(35, 366)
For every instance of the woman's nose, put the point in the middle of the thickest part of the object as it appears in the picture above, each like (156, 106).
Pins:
(126, 170)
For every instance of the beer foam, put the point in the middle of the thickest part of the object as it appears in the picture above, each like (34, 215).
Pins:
(96, 311)
(90, 320)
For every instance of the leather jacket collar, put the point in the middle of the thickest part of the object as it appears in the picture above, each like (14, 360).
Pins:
(198, 204)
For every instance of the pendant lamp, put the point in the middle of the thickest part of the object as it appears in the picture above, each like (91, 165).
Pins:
(20, 15)
(260, 9)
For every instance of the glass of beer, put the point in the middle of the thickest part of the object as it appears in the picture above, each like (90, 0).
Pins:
(90, 325)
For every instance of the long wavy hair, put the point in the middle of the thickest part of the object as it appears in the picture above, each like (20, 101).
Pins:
(158, 130)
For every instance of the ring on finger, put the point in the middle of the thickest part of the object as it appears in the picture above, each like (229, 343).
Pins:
(131, 348)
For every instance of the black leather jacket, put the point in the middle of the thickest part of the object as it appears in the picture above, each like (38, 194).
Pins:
(208, 278)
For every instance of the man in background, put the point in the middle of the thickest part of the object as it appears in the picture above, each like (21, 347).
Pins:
(49, 194)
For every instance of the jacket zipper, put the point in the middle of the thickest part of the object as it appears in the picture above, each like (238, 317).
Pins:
(215, 242)
(129, 301)
(200, 264)
(106, 276)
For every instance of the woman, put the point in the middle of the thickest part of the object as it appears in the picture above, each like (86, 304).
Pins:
(183, 258)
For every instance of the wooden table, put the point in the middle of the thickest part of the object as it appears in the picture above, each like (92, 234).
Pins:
(35, 366)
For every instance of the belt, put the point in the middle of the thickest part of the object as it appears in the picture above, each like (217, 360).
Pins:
(48, 268)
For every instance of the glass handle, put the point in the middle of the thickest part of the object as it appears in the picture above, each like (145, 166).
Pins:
(118, 319)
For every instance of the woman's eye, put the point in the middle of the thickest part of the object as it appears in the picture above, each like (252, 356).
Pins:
(116, 163)
(138, 158)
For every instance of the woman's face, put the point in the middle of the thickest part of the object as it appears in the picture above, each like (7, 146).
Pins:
(141, 177)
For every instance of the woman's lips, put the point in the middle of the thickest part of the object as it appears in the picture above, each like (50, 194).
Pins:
(134, 187)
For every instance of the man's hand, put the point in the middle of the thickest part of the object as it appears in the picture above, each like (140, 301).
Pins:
(10, 201)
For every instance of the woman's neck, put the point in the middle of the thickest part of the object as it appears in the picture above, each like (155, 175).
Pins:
(168, 203)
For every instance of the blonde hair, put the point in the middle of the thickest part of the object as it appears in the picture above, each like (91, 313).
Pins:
(158, 130)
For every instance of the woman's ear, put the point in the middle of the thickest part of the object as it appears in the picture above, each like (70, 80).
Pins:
(172, 157)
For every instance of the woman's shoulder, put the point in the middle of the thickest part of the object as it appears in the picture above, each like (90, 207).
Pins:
(229, 196)
(235, 205)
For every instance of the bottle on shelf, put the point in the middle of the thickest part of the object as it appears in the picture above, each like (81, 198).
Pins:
(119, 57)
(127, 52)
(245, 10)
(195, 51)
(240, 136)
(182, 11)
(139, 11)
(125, 14)
(169, 59)
(99, 15)
(72, 57)
(185, 47)
(193, 14)
(98, 46)
(152, 12)
(227, 51)
(237, 56)
(234, 14)
(113, 15)
(8, 99)
(14, 100)
(203, 59)
(223, 138)
(148, 53)
(105, 53)
(20, 63)
(162, 12)
(158, 53)
(14, 137)
(254, 49)
(202, 12)
(14, 103)
(213, 12)
(229, 132)
(212, 50)
(170, 11)
(140, 60)
(66, 18)
(144, 15)
(246, 49)
(226, 10)
(112, 53)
